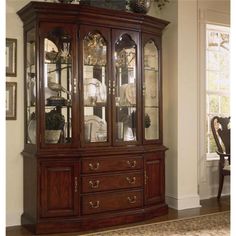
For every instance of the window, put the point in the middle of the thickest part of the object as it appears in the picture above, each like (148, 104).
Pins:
(217, 79)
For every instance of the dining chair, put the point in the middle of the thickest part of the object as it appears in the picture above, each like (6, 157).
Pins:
(221, 131)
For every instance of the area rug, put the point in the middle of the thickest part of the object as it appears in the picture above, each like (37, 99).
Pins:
(216, 224)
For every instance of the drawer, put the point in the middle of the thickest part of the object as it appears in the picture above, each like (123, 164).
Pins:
(93, 183)
(96, 203)
(93, 165)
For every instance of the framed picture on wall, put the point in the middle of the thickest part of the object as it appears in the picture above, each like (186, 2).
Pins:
(11, 91)
(11, 54)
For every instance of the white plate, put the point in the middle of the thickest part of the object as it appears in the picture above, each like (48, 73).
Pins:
(97, 124)
(130, 93)
(95, 89)
(32, 131)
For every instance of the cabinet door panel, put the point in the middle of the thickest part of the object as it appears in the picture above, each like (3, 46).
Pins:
(154, 178)
(58, 84)
(151, 86)
(95, 71)
(125, 87)
(58, 189)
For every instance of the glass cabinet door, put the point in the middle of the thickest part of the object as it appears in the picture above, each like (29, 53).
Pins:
(57, 60)
(151, 91)
(30, 87)
(95, 83)
(125, 89)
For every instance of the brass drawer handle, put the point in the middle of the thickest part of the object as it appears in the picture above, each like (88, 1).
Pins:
(94, 184)
(132, 200)
(131, 180)
(94, 167)
(132, 164)
(95, 205)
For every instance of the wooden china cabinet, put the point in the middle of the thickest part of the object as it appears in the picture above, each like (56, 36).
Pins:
(93, 154)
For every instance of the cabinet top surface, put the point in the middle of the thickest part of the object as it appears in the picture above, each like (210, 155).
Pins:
(75, 12)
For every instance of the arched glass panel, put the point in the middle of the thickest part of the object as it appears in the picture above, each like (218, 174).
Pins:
(125, 85)
(31, 87)
(151, 91)
(57, 86)
(95, 88)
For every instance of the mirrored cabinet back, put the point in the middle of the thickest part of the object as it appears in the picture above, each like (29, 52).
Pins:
(93, 154)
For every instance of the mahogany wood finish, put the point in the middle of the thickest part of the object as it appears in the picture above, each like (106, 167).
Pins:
(77, 186)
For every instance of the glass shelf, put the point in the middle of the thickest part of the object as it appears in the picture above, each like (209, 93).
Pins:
(150, 69)
(131, 106)
(51, 107)
(96, 105)
(146, 106)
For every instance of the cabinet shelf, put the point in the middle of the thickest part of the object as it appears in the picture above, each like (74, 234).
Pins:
(151, 106)
(97, 105)
(53, 106)
(150, 69)
(131, 106)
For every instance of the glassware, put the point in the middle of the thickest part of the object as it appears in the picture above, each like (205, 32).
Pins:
(87, 132)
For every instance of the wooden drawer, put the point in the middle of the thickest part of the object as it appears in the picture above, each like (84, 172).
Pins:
(96, 203)
(94, 165)
(93, 183)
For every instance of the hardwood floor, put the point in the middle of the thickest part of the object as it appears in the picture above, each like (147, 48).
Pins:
(208, 206)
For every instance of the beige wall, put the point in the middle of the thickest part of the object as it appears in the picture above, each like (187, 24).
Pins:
(14, 128)
(180, 105)
(182, 100)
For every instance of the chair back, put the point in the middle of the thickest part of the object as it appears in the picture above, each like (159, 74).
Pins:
(221, 131)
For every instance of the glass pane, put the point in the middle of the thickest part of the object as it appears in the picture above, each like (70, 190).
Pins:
(57, 87)
(212, 144)
(214, 104)
(212, 80)
(225, 106)
(151, 96)
(125, 88)
(224, 85)
(31, 86)
(217, 76)
(213, 60)
(95, 88)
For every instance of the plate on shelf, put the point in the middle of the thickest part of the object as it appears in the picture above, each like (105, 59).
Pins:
(94, 92)
(98, 129)
(130, 93)
(32, 131)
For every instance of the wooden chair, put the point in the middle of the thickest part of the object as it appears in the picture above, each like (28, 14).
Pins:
(221, 131)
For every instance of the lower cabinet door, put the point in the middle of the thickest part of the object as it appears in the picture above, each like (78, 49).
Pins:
(154, 178)
(59, 189)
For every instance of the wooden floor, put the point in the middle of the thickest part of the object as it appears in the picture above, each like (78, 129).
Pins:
(208, 206)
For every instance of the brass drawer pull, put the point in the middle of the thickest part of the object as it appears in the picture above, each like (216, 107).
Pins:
(94, 167)
(132, 164)
(131, 180)
(94, 184)
(96, 205)
(132, 200)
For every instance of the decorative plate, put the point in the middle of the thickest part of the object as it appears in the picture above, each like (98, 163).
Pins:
(98, 126)
(130, 93)
(94, 92)
(32, 131)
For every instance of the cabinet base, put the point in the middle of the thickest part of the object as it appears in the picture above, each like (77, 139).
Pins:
(88, 223)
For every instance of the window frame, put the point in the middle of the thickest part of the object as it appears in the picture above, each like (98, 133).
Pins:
(207, 92)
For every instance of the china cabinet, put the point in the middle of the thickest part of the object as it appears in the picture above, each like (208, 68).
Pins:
(93, 154)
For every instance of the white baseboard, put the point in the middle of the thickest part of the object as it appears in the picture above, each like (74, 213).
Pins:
(182, 203)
